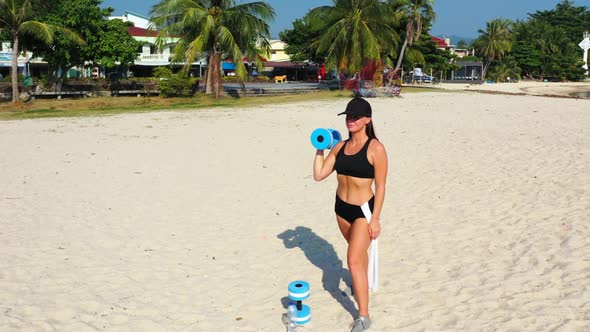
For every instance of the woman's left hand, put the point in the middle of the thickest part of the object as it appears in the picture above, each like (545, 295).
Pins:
(374, 228)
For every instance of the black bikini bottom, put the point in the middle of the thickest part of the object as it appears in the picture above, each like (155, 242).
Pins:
(350, 212)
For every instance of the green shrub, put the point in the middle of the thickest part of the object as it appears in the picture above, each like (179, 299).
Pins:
(177, 85)
(174, 85)
(8, 78)
(43, 82)
(162, 72)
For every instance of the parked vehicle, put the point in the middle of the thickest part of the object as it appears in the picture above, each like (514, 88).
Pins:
(424, 78)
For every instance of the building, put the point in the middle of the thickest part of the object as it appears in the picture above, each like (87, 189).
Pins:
(277, 51)
(468, 70)
(138, 20)
(150, 55)
(26, 64)
(445, 44)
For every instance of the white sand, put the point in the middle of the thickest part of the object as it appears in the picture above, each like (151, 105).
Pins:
(535, 88)
(197, 221)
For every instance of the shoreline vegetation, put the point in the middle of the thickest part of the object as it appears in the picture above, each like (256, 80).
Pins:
(100, 106)
(104, 106)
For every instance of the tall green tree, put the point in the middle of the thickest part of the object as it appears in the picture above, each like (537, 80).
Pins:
(558, 55)
(555, 34)
(416, 14)
(525, 50)
(546, 45)
(218, 28)
(494, 42)
(299, 48)
(507, 68)
(354, 32)
(435, 60)
(574, 20)
(108, 41)
(114, 46)
(18, 18)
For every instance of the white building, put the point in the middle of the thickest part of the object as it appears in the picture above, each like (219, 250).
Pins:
(24, 61)
(277, 51)
(138, 20)
(150, 55)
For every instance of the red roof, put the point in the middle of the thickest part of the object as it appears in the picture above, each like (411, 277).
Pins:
(439, 41)
(260, 57)
(245, 59)
(283, 64)
(141, 32)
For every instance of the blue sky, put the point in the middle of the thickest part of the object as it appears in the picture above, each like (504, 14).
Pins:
(454, 17)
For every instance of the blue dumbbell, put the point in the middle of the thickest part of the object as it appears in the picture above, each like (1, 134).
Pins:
(323, 138)
(299, 291)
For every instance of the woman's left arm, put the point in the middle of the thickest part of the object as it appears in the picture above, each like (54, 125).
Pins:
(380, 166)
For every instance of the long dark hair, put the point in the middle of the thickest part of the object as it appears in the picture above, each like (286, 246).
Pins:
(369, 130)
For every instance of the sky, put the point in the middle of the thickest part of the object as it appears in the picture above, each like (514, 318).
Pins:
(454, 17)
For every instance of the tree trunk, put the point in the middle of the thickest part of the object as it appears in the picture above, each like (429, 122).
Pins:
(218, 78)
(210, 69)
(485, 69)
(214, 82)
(60, 77)
(203, 79)
(401, 54)
(14, 69)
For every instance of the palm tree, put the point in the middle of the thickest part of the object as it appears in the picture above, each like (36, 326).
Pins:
(507, 68)
(218, 28)
(16, 19)
(494, 42)
(417, 13)
(354, 32)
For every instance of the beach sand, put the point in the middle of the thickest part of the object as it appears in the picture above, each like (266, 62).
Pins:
(534, 88)
(199, 220)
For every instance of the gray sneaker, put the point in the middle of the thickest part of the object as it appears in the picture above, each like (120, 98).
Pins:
(360, 324)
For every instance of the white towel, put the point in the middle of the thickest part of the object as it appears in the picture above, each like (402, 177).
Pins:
(373, 268)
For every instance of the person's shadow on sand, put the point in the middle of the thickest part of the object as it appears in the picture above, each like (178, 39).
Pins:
(321, 254)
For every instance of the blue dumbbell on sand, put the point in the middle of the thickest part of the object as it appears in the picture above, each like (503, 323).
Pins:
(323, 138)
(299, 291)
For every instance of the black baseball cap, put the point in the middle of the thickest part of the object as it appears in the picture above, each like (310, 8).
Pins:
(358, 107)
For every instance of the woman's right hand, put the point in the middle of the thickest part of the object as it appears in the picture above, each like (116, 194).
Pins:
(323, 166)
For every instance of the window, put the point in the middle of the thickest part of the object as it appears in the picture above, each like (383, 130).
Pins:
(153, 49)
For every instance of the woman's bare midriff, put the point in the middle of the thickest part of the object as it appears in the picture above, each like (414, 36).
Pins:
(353, 190)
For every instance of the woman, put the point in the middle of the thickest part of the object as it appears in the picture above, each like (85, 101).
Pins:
(358, 161)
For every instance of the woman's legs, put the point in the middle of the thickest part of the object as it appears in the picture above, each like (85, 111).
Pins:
(357, 236)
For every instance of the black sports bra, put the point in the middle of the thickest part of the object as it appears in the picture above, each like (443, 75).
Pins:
(356, 165)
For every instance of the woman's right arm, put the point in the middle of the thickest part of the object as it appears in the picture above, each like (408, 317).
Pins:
(322, 167)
